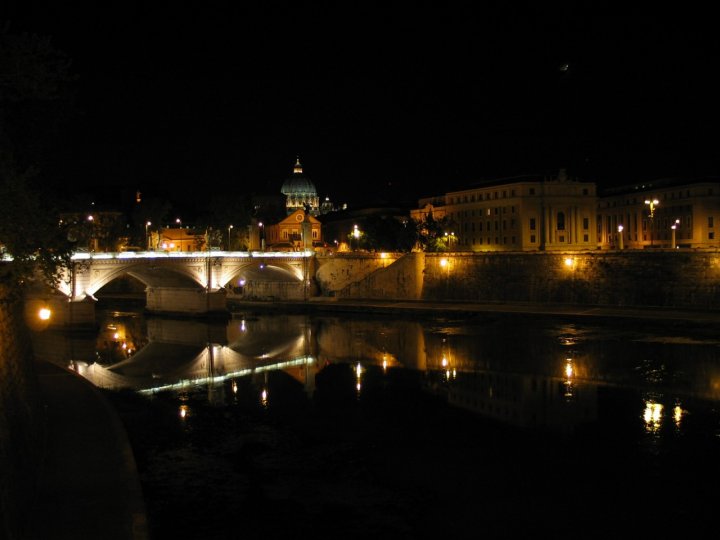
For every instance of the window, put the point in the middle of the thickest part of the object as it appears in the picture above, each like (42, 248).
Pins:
(532, 191)
(314, 234)
(561, 238)
(560, 222)
(585, 238)
(586, 223)
(532, 238)
(711, 235)
(532, 224)
(710, 222)
(585, 191)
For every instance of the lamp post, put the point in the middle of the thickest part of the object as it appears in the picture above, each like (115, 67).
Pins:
(620, 236)
(230, 227)
(92, 242)
(147, 238)
(356, 235)
(652, 203)
(262, 236)
(674, 226)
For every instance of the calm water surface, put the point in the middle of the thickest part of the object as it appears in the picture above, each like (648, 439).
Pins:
(487, 426)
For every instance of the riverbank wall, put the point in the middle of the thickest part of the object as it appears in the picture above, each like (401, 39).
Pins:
(21, 418)
(649, 278)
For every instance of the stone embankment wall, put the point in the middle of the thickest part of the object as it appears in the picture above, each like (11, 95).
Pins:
(665, 278)
(387, 276)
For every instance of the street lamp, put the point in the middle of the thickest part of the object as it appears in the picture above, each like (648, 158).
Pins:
(620, 236)
(674, 226)
(356, 235)
(262, 236)
(229, 229)
(652, 205)
(147, 238)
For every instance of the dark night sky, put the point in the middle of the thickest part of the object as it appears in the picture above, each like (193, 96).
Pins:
(422, 100)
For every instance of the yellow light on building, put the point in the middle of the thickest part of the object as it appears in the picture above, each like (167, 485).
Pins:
(443, 262)
(44, 314)
(569, 262)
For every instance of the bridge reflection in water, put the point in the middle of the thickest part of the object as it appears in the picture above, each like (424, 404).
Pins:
(533, 374)
(502, 426)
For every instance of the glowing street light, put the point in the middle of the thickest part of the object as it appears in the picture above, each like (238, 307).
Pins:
(674, 226)
(652, 204)
(620, 236)
(147, 238)
(230, 227)
(356, 235)
(262, 236)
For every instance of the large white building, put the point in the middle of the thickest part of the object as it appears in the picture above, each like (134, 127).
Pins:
(645, 214)
(525, 213)
(557, 213)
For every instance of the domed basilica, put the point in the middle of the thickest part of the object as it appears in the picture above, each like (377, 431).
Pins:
(300, 192)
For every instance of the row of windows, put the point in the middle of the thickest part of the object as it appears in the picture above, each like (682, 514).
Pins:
(533, 240)
(295, 235)
(484, 196)
(480, 212)
(665, 196)
(492, 195)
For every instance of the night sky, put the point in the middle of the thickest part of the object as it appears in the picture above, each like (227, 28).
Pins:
(378, 102)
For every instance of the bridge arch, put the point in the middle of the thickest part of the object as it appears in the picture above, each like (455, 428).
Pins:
(260, 271)
(151, 275)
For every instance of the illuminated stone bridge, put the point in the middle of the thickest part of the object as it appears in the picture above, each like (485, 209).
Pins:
(179, 283)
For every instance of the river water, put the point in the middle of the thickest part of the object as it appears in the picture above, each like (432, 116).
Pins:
(486, 425)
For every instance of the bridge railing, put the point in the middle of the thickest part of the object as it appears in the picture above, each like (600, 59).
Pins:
(84, 256)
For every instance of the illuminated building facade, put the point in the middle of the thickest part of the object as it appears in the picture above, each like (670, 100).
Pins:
(178, 239)
(525, 213)
(643, 216)
(296, 232)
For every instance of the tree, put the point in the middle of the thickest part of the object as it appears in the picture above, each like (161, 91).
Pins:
(34, 89)
(221, 211)
(431, 233)
(388, 233)
(32, 78)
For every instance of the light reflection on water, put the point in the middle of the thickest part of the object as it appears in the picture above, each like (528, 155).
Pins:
(558, 407)
(536, 373)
